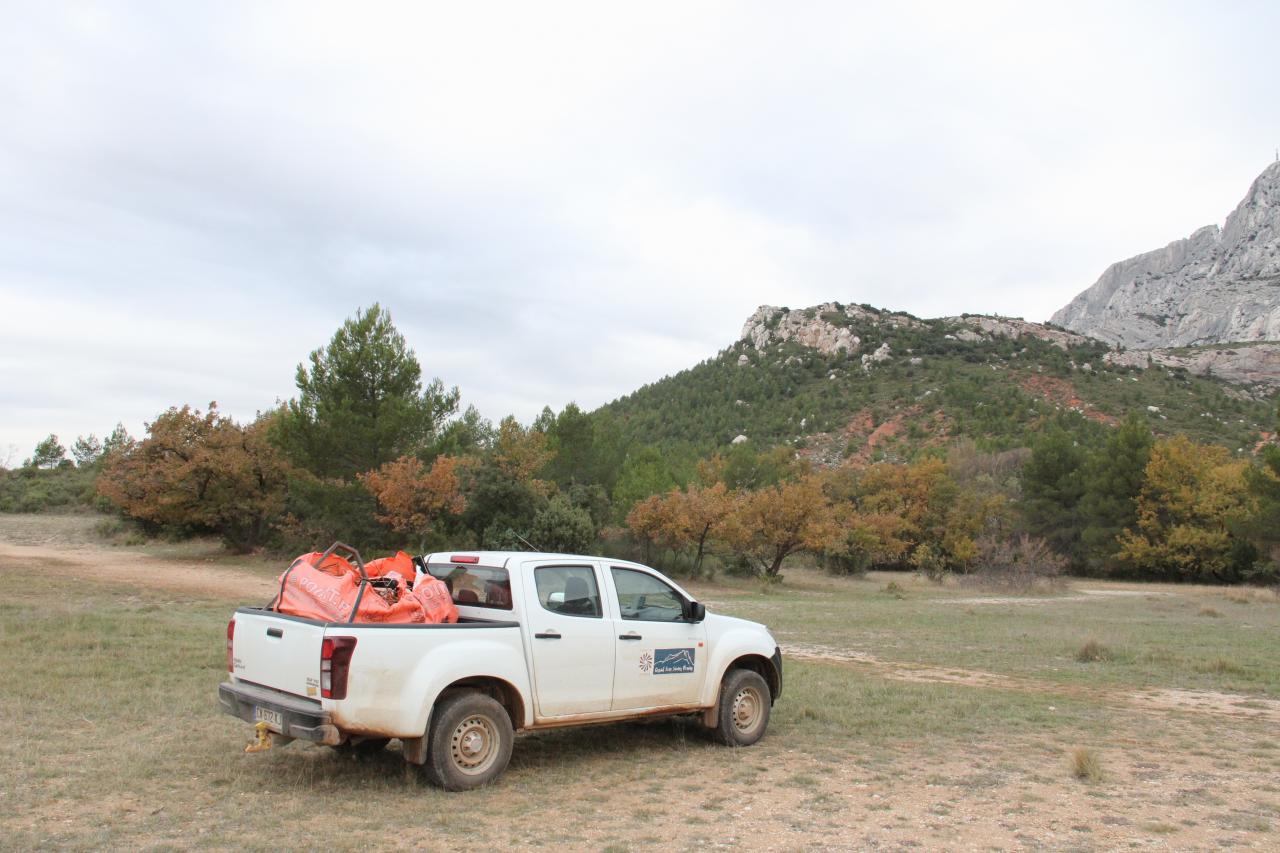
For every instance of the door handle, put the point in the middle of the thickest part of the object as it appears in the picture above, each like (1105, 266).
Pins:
(631, 636)
(275, 632)
(547, 635)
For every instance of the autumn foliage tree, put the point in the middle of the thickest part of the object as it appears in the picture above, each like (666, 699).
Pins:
(200, 471)
(1194, 498)
(683, 520)
(413, 497)
(772, 523)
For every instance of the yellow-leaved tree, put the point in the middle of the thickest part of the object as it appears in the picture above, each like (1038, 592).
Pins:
(1193, 497)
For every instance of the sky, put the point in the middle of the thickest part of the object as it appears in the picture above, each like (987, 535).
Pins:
(563, 202)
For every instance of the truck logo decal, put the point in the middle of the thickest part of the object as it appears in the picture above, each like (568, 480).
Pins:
(668, 661)
(646, 662)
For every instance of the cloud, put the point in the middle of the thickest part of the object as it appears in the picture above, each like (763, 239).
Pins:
(565, 201)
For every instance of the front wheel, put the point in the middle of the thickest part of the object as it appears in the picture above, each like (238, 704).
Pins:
(744, 708)
(469, 742)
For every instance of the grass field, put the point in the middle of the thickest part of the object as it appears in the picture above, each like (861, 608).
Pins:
(928, 716)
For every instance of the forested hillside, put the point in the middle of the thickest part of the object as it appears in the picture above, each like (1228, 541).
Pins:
(937, 380)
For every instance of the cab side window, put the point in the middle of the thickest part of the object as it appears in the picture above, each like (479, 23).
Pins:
(644, 598)
(569, 590)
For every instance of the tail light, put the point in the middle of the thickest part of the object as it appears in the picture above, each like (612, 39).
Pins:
(231, 635)
(335, 663)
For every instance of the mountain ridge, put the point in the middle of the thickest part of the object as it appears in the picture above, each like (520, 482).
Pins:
(1216, 286)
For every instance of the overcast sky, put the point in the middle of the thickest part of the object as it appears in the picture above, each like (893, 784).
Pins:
(564, 202)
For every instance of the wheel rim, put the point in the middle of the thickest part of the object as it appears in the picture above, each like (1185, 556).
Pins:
(473, 746)
(748, 705)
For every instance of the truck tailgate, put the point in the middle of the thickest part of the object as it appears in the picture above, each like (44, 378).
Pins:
(277, 651)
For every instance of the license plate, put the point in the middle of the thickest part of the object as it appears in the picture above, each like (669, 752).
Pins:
(272, 718)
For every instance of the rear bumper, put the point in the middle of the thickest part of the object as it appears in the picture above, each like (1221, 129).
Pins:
(299, 717)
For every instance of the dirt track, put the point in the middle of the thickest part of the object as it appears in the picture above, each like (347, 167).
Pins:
(143, 571)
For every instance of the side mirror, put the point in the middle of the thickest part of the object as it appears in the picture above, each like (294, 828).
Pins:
(694, 611)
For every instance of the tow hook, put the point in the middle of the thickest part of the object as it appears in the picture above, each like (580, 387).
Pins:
(262, 738)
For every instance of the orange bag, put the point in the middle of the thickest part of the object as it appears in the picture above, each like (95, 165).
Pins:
(435, 599)
(329, 591)
(313, 593)
(401, 563)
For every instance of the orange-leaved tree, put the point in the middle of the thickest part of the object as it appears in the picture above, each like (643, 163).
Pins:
(774, 522)
(202, 471)
(698, 512)
(414, 497)
(683, 520)
(653, 521)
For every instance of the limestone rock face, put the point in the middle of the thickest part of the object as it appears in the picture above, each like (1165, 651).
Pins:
(1216, 286)
(1256, 364)
(812, 327)
(980, 326)
(882, 354)
(772, 325)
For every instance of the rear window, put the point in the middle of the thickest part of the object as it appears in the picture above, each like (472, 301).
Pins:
(475, 586)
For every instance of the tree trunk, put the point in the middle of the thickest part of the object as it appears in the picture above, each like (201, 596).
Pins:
(702, 541)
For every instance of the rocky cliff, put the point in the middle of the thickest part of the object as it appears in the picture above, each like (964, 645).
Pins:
(1219, 285)
(830, 328)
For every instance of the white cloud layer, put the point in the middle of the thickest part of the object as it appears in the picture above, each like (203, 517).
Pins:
(564, 201)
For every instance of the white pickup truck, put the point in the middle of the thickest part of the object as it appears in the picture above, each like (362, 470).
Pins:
(542, 641)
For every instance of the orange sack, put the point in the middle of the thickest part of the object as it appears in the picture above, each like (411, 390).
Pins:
(328, 592)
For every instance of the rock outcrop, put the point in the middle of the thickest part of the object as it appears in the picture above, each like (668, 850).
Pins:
(814, 327)
(981, 326)
(1216, 286)
(1256, 364)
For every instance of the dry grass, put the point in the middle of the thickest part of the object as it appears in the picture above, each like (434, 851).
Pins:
(1086, 765)
(1211, 612)
(1222, 666)
(1094, 652)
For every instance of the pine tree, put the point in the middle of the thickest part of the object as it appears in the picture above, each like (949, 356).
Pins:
(1053, 485)
(1113, 479)
(361, 401)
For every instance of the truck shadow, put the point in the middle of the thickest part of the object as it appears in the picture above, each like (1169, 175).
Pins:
(552, 749)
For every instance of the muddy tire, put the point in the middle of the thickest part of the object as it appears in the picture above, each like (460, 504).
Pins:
(744, 708)
(470, 741)
(366, 748)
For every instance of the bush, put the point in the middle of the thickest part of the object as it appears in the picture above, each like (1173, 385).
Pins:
(1021, 563)
(1086, 765)
(930, 562)
(42, 490)
(320, 512)
(563, 528)
(1094, 652)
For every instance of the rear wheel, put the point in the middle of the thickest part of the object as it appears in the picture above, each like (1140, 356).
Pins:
(470, 741)
(744, 708)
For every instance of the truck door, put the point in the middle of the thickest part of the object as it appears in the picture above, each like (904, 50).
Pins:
(660, 658)
(572, 640)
